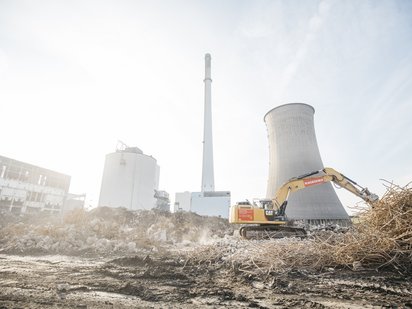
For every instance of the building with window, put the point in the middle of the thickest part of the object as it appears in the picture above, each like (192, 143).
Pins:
(28, 188)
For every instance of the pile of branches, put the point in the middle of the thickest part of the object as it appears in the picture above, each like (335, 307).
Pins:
(382, 238)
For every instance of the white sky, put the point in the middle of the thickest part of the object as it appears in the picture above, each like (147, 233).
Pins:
(76, 76)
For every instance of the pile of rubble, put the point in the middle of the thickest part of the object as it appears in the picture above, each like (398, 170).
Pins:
(383, 238)
(107, 231)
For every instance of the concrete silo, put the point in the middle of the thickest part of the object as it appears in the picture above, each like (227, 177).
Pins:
(130, 179)
(293, 151)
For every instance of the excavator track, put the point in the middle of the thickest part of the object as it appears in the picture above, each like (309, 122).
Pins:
(271, 232)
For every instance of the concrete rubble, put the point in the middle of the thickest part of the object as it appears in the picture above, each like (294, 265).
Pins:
(114, 258)
(106, 231)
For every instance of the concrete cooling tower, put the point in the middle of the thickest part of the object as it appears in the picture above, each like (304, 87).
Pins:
(293, 151)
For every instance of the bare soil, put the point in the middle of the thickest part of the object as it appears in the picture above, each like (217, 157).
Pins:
(165, 280)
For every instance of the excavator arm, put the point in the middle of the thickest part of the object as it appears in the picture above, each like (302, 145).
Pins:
(268, 217)
(325, 175)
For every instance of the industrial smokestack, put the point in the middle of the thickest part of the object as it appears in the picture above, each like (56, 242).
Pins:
(208, 182)
(293, 151)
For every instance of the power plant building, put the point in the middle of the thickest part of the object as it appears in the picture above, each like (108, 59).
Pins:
(130, 180)
(183, 201)
(208, 201)
(293, 151)
(29, 188)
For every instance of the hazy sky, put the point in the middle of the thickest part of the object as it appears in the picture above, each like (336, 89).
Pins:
(76, 76)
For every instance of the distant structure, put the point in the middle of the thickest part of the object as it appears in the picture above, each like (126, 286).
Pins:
(183, 201)
(130, 179)
(74, 201)
(27, 188)
(162, 200)
(293, 151)
(208, 201)
(208, 178)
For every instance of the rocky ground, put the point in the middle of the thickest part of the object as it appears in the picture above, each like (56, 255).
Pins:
(117, 259)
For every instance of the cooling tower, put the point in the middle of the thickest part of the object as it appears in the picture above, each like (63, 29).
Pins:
(293, 151)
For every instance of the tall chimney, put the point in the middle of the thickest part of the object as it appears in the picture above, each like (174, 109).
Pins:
(208, 179)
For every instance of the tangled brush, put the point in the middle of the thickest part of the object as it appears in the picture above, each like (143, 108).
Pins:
(382, 238)
(384, 235)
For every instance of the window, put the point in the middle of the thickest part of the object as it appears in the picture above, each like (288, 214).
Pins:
(13, 172)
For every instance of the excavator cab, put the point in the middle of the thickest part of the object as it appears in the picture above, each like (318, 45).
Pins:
(263, 203)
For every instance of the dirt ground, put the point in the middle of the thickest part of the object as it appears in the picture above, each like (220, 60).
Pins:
(164, 280)
(113, 258)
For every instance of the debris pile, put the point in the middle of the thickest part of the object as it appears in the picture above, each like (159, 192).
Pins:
(383, 238)
(106, 231)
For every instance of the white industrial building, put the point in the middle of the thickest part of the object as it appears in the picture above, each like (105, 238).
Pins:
(29, 188)
(208, 201)
(211, 203)
(130, 180)
(182, 201)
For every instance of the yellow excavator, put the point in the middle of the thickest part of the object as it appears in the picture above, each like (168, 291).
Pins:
(267, 218)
